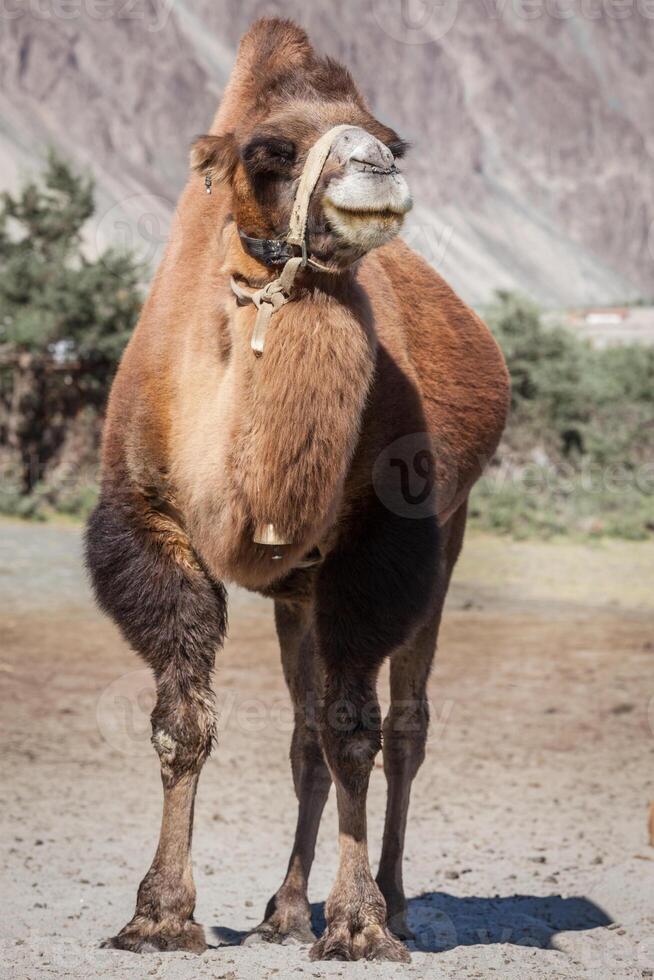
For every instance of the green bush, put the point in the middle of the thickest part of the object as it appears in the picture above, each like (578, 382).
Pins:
(578, 452)
(64, 321)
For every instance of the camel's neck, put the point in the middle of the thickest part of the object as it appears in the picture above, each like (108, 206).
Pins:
(297, 410)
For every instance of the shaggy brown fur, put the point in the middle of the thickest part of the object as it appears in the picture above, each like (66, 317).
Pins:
(204, 442)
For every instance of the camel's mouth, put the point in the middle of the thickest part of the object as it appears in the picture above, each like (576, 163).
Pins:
(368, 193)
(366, 214)
(361, 227)
(367, 209)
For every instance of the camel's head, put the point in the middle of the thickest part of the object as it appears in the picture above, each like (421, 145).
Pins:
(280, 100)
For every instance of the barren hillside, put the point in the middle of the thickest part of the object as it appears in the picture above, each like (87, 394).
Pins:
(533, 133)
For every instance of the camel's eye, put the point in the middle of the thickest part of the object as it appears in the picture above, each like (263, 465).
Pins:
(269, 155)
(398, 147)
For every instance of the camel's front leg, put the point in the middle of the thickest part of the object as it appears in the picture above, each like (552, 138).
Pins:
(147, 578)
(163, 919)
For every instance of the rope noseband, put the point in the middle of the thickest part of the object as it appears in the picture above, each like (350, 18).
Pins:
(277, 293)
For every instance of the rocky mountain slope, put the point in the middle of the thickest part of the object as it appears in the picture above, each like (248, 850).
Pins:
(531, 122)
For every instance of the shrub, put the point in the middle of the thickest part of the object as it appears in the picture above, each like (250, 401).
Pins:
(64, 321)
(578, 452)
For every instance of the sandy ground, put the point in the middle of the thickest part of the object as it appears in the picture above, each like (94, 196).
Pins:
(527, 850)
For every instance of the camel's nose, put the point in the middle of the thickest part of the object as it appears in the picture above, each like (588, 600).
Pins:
(358, 150)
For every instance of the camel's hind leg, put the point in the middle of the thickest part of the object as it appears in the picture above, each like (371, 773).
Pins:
(148, 579)
(373, 590)
(288, 914)
(405, 731)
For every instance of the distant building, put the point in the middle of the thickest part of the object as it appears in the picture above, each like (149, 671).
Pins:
(608, 326)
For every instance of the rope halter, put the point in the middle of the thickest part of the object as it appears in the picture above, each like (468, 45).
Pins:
(277, 293)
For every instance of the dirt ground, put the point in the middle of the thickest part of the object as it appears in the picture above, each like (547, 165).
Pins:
(527, 851)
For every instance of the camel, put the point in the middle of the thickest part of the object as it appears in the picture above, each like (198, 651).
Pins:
(303, 415)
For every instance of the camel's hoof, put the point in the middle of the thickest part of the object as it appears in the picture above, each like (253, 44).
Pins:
(146, 936)
(341, 941)
(287, 934)
(287, 920)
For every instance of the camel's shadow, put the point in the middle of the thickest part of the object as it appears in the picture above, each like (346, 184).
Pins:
(441, 921)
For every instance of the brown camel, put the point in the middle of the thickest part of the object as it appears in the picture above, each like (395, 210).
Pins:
(330, 472)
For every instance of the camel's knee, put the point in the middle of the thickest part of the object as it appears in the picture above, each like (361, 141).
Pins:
(351, 733)
(181, 756)
(351, 756)
(183, 730)
(405, 737)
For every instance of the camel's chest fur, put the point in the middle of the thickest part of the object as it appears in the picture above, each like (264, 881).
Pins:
(269, 440)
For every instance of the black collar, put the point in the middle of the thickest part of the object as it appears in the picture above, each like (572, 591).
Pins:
(276, 252)
(270, 251)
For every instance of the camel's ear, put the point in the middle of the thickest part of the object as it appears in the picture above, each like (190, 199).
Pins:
(215, 156)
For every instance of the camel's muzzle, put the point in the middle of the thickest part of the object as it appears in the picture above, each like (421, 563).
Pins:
(366, 203)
